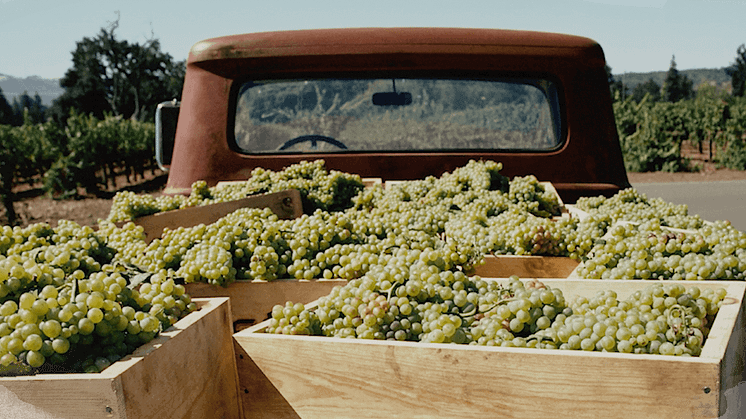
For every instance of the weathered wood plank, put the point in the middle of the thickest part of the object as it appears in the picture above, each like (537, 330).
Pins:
(193, 375)
(286, 204)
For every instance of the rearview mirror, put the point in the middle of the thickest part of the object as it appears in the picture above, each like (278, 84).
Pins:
(166, 116)
(392, 99)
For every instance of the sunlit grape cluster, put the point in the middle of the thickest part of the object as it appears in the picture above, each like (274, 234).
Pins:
(633, 206)
(652, 251)
(497, 226)
(411, 294)
(527, 192)
(660, 319)
(127, 205)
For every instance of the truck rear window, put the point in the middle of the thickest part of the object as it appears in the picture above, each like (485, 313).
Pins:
(401, 115)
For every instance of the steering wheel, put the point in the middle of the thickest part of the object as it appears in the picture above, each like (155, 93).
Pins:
(314, 139)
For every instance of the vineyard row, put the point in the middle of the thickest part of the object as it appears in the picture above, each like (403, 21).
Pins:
(85, 154)
(652, 133)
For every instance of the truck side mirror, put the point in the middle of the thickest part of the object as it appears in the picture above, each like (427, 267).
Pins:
(166, 116)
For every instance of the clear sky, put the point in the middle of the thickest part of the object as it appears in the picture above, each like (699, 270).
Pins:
(38, 36)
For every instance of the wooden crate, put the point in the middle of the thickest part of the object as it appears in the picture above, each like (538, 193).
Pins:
(252, 301)
(286, 204)
(188, 371)
(372, 181)
(574, 212)
(318, 377)
(503, 266)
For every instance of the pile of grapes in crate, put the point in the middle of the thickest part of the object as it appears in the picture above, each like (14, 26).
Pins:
(473, 211)
(66, 307)
(443, 306)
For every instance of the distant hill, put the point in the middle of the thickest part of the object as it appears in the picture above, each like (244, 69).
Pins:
(48, 89)
(717, 76)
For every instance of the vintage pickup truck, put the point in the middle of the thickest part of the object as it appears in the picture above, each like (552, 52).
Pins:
(396, 104)
(408, 103)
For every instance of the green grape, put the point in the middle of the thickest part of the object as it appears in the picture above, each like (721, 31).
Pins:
(34, 358)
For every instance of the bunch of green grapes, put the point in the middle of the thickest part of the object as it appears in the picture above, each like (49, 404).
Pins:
(580, 236)
(127, 205)
(16, 240)
(497, 226)
(633, 206)
(661, 319)
(127, 241)
(476, 176)
(65, 307)
(392, 300)
(7, 237)
(180, 246)
(41, 255)
(522, 318)
(650, 251)
(519, 232)
(530, 194)
(88, 322)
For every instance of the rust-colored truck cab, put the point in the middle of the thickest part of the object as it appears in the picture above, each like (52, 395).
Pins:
(399, 104)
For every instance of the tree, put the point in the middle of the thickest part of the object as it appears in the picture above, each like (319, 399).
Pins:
(13, 159)
(677, 86)
(737, 72)
(6, 111)
(120, 78)
(34, 107)
(617, 87)
(650, 87)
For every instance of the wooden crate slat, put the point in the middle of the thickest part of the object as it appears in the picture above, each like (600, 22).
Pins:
(731, 350)
(61, 397)
(504, 266)
(372, 181)
(286, 204)
(252, 301)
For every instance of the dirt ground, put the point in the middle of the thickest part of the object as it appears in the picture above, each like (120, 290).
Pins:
(707, 173)
(33, 207)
